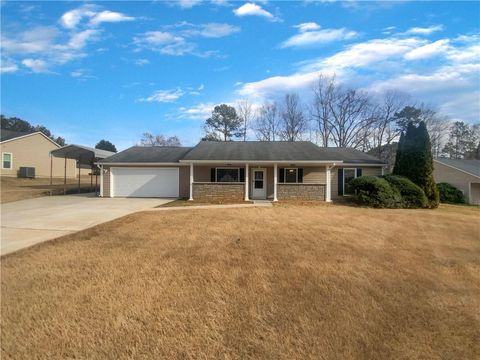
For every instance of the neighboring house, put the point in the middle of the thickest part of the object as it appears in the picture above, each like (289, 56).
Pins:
(463, 174)
(236, 170)
(19, 149)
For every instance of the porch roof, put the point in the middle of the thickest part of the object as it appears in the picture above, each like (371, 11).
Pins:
(274, 151)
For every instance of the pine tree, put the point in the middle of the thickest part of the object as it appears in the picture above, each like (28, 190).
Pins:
(415, 161)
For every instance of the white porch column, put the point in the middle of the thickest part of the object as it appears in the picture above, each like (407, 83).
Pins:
(191, 182)
(246, 182)
(383, 170)
(275, 180)
(101, 180)
(328, 187)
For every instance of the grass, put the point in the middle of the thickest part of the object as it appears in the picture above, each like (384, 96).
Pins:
(14, 189)
(286, 282)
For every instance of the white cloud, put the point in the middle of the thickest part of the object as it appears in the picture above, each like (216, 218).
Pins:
(309, 26)
(309, 38)
(72, 18)
(165, 42)
(371, 52)
(36, 65)
(201, 87)
(141, 62)
(451, 82)
(251, 9)
(82, 74)
(424, 30)
(164, 96)
(200, 111)
(213, 30)
(177, 42)
(187, 4)
(79, 40)
(36, 40)
(429, 50)
(7, 66)
(109, 16)
(43, 47)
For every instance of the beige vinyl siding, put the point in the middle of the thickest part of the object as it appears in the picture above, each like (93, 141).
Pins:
(475, 193)
(184, 179)
(34, 151)
(461, 180)
(201, 173)
(106, 183)
(314, 175)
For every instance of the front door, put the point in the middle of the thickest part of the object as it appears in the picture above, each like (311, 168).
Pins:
(259, 184)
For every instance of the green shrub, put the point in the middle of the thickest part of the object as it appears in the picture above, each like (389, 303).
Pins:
(412, 195)
(375, 192)
(450, 194)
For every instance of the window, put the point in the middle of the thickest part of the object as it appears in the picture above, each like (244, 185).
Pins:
(258, 180)
(348, 176)
(6, 160)
(227, 174)
(291, 175)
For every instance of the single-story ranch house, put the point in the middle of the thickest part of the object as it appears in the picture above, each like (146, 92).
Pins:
(463, 174)
(236, 171)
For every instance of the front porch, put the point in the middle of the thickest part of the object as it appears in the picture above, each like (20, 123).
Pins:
(260, 181)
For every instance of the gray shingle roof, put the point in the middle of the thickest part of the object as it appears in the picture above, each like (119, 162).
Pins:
(470, 166)
(275, 151)
(148, 154)
(241, 151)
(10, 134)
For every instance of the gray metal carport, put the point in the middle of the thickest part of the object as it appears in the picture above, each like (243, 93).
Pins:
(84, 155)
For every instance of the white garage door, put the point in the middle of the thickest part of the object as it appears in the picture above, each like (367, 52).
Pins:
(145, 182)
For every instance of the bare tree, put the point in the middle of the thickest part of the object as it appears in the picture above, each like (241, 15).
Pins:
(323, 93)
(438, 127)
(148, 139)
(351, 117)
(246, 114)
(293, 122)
(267, 122)
(384, 128)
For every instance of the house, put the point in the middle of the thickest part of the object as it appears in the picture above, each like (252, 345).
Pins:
(463, 174)
(236, 171)
(20, 149)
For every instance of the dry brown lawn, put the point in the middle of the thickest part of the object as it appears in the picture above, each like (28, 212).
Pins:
(287, 282)
(14, 189)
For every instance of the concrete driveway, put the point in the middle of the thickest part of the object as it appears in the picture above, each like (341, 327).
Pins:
(28, 222)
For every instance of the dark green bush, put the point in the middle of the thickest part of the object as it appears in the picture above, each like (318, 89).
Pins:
(412, 195)
(375, 192)
(450, 194)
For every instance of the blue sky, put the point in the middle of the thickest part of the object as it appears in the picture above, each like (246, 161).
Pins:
(113, 70)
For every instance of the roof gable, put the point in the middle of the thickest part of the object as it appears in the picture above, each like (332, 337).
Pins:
(10, 135)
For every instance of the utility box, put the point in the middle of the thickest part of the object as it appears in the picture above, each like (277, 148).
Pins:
(26, 172)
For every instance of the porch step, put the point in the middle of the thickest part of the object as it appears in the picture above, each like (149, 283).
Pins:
(262, 202)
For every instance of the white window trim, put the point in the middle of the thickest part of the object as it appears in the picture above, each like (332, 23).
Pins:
(355, 171)
(226, 168)
(11, 161)
(285, 175)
